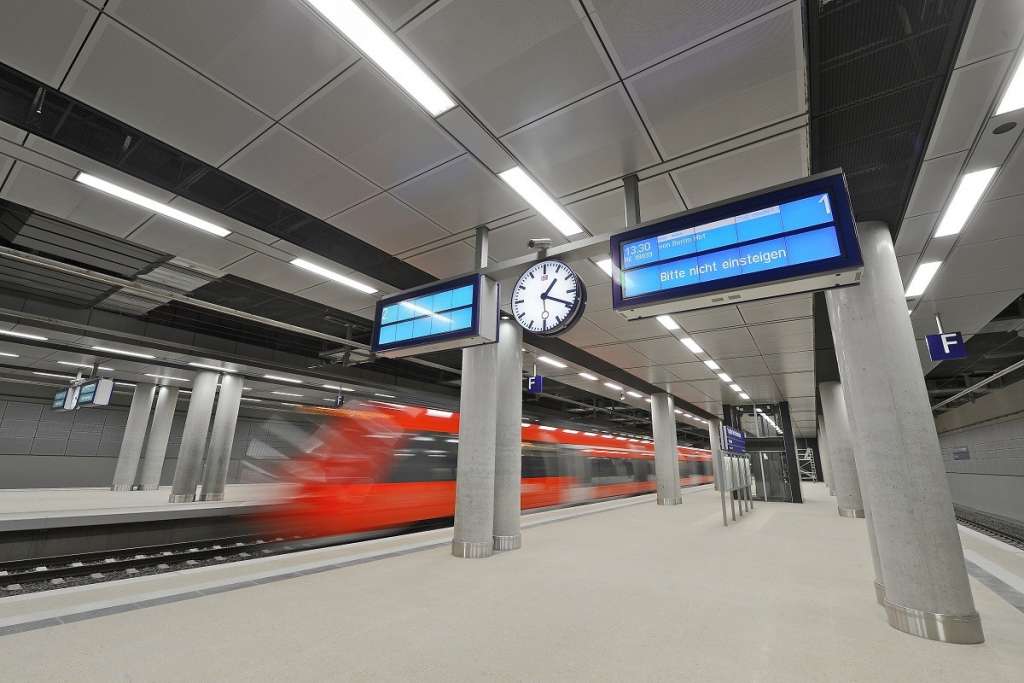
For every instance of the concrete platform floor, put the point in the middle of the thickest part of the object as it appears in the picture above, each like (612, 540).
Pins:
(638, 592)
(26, 502)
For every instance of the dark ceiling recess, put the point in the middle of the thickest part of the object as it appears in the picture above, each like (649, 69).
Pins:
(878, 71)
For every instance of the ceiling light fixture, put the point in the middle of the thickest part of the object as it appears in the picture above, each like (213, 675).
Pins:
(81, 365)
(1013, 98)
(922, 277)
(967, 195)
(736, 388)
(634, 394)
(667, 322)
(725, 378)
(9, 355)
(177, 379)
(678, 412)
(691, 345)
(712, 365)
(285, 393)
(613, 385)
(349, 18)
(744, 396)
(385, 395)
(22, 335)
(151, 204)
(331, 275)
(251, 400)
(53, 374)
(278, 378)
(587, 375)
(204, 366)
(540, 200)
(552, 362)
(123, 352)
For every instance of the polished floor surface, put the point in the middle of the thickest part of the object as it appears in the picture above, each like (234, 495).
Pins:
(635, 592)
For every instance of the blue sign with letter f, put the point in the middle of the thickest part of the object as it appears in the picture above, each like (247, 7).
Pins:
(535, 384)
(946, 346)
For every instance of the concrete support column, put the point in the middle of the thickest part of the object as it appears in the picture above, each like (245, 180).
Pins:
(156, 444)
(222, 438)
(193, 439)
(666, 453)
(840, 443)
(134, 436)
(508, 449)
(474, 486)
(899, 461)
(826, 454)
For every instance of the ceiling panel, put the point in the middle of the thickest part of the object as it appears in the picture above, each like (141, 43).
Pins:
(228, 41)
(906, 265)
(453, 259)
(664, 351)
(289, 168)
(395, 13)
(510, 62)
(1010, 179)
(727, 343)
(124, 76)
(388, 224)
(640, 34)
(996, 26)
(798, 306)
(745, 367)
(606, 213)
(804, 405)
(934, 181)
(959, 277)
(784, 337)
(385, 136)
(709, 319)
(796, 384)
(630, 330)
(585, 333)
(802, 361)
(747, 79)
(510, 241)
(460, 195)
(749, 168)
(691, 371)
(994, 220)
(596, 139)
(42, 38)
(12, 133)
(273, 273)
(960, 117)
(759, 388)
(338, 296)
(179, 239)
(622, 355)
(914, 233)
(58, 196)
(967, 314)
(655, 374)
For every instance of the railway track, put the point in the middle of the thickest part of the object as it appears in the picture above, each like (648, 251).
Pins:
(989, 531)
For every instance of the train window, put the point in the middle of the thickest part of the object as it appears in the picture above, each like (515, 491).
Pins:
(534, 466)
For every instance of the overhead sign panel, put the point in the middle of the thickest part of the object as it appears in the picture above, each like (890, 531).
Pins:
(946, 346)
(734, 440)
(795, 237)
(446, 315)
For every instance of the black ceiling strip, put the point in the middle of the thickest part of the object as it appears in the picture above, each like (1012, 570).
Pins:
(72, 124)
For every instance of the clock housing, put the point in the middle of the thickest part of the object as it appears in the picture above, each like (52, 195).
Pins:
(548, 298)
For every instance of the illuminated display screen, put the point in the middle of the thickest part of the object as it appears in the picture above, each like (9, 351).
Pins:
(87, 394)
(798, 229)
(427, 316)
(59, 398)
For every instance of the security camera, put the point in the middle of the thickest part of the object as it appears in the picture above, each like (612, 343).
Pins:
(539, 243)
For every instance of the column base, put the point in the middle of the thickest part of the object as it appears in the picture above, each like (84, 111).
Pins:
(472, 550)
(945, 628)
(880, 593)
(182, 498)
(514, 542)
(670, 500)
(211, 496)
(851, 512)
(121, 487)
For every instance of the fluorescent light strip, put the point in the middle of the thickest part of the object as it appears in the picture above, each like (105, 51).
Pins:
(667, 322)
(294, 405)
(9, 355)
(385, 395)
(278, 378)
(691, 345)
(634, 394)
(540, 200)
(53, 374)
(378, 45)
(922, 277)
(552, 362)
(587, 375)
(335, 387)
(744, 396)
(331, 275)
(725, 378)
(967, 195)
(151, 204)
(210, 367)
(678, 412)
(133, 354)
(81, 365)
(177, 379)
(712, 365)
(22, 335)
(1013, 98)
(285, 393)
(736, 388)
(606, 265)
(251, 400)
(612, 385)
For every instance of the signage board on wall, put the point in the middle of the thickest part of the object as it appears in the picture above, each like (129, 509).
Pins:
(946, 346)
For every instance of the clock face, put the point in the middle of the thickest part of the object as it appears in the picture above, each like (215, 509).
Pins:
(548, 298)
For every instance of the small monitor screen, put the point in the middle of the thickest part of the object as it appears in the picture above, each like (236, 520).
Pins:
(424, 317)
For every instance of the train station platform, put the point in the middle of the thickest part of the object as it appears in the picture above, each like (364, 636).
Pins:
(612, 591)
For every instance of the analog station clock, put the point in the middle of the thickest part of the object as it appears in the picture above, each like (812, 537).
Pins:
(548, 298)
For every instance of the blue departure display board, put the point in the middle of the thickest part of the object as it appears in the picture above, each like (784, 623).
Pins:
(791, 231)
(444, 315)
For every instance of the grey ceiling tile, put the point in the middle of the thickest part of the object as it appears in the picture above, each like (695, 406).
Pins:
(42, 38)
(784, 308)
(179, 239)
(388, 224)
(606, 213)
(445, 261)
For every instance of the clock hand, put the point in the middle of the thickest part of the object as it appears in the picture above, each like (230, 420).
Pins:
(548, 290)
(561, 301)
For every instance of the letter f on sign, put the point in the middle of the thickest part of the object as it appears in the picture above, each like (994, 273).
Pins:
(948, 340)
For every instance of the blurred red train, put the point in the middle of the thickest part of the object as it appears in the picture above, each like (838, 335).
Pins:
(391, 466)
